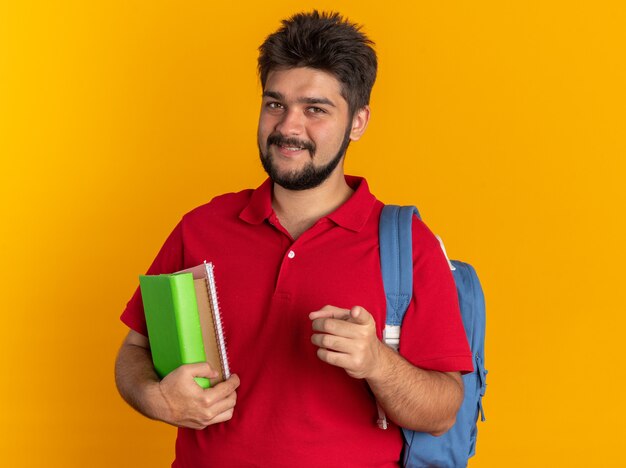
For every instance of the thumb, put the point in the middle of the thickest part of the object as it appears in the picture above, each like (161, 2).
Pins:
(359, 315)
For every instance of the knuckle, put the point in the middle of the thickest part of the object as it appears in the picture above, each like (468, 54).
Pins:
(358, 361)
(206, 401)
(209, 414)
(201, 425)
(330, 358)
(230, 401)
(327, 341)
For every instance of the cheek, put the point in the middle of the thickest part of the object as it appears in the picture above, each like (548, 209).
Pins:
(263, 131)
(329, 135)
(267, 123)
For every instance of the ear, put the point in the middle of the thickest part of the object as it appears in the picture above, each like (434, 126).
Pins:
(359, 123)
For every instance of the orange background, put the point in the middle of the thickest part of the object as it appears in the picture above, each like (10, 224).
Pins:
(503, 121)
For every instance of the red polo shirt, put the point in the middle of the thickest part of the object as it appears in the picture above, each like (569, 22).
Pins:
(293, 409)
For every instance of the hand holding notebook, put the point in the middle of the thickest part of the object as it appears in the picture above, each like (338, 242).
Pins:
(193, 407)
(184, 322)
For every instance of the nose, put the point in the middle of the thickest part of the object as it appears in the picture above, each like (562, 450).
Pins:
(291, 123)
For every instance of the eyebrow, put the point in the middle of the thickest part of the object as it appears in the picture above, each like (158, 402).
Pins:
(302, 100)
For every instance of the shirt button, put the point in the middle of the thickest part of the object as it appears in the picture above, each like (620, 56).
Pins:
(291, 254)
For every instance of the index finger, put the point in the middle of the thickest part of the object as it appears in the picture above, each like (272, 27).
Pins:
(338, 327)
(330, 312)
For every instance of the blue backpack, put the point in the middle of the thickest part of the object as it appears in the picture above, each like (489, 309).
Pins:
(458, 444)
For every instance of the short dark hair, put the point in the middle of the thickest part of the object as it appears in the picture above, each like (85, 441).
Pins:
(328, 42)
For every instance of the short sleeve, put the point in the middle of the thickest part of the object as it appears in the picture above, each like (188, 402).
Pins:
(168, 260)
(432, 335)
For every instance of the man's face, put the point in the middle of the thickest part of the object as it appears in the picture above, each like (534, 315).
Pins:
(304, 127)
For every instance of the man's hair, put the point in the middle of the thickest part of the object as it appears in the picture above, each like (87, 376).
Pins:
(328, 42)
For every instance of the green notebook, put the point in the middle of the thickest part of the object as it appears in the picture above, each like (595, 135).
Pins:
(174, 330)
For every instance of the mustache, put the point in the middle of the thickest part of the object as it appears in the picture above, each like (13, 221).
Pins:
(279, 140)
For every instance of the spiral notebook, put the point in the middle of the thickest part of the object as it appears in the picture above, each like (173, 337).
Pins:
(184, 321)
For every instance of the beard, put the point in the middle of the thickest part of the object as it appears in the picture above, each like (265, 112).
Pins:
(310, 176)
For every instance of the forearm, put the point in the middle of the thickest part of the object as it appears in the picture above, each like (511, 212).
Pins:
(137, 381)
(425, 401)
(418, 399)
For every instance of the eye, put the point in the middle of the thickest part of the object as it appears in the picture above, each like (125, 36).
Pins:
(316, 110)
(274, 105)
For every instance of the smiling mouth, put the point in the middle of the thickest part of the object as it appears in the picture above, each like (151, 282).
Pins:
(291, 148)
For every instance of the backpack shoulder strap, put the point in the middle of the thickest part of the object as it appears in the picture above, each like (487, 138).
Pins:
(396, 259)
(396, 263)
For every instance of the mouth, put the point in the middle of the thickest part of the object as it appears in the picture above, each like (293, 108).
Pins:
(291, 148)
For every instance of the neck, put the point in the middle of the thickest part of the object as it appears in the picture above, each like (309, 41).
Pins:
(297, 210)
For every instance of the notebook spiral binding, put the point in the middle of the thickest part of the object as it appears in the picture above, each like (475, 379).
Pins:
(219, 330)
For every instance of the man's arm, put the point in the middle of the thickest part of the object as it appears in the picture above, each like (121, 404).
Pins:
(177, 399)
(418, 399)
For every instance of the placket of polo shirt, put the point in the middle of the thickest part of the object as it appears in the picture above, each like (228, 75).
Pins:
(291, 261)
(287, 243)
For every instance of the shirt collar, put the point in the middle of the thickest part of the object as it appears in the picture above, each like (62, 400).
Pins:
(259, 207)
(353, 214)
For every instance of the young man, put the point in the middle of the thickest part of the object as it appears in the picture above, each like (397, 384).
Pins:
(301, 292)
